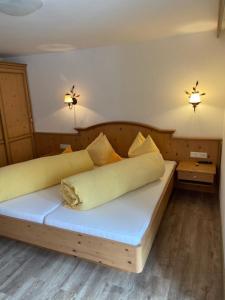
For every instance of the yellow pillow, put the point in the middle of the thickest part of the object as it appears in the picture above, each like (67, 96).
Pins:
(101, 151)
(147, 146)
(139, 140)
(68, 149)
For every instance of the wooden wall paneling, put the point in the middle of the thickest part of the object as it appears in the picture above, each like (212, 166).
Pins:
(16, 112)
(220, 17)
(121, 135)
(49, 143)
(179, 148)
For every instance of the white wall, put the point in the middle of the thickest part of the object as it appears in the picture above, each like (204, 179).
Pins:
(141, 82)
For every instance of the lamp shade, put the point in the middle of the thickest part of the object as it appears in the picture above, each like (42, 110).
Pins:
(68, 98)
(195, 98)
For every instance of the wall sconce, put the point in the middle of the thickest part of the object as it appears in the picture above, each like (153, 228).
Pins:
(70, 98)
(195, 96)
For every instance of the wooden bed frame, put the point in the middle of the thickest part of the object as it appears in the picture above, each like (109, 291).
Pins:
(114, 254)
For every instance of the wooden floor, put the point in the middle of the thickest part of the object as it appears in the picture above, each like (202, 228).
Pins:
(185, 263)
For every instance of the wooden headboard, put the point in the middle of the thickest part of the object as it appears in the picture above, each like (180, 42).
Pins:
(121, 135)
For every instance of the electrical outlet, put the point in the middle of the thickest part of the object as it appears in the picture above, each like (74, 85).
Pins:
(64, 146)
(199, 154)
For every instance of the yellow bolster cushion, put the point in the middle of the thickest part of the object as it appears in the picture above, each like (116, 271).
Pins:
(142, 145)
(30, 176)
(102, 152)
(96, 187)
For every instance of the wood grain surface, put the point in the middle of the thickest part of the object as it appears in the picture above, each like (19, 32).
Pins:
(121, 135)
(102, 251)
(185, 263)
(16, 125)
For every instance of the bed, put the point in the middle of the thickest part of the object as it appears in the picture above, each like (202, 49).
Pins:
(118, 234)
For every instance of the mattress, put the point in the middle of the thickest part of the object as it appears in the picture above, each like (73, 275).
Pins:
(124, 219)
(32, 207)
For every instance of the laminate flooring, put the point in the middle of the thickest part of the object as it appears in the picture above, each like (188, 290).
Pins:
(185, 263)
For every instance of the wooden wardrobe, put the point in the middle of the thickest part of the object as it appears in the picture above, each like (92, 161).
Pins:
(16, 126)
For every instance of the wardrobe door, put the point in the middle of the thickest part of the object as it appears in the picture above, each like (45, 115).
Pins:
(16, 115)
(3, 152)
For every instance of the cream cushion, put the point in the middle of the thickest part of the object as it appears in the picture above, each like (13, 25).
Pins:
(93, 188)
(138, 141)
(102, 152)
(30, 176)
(142, 145)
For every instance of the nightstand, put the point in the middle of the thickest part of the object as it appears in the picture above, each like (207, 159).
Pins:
(196, 176)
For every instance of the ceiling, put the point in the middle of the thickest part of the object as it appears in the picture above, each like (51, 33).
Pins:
(71, 24)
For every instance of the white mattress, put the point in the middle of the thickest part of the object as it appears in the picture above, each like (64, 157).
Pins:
(32, 207)
(124, 219)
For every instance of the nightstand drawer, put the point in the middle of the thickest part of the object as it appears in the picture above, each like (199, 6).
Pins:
(194, 176)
